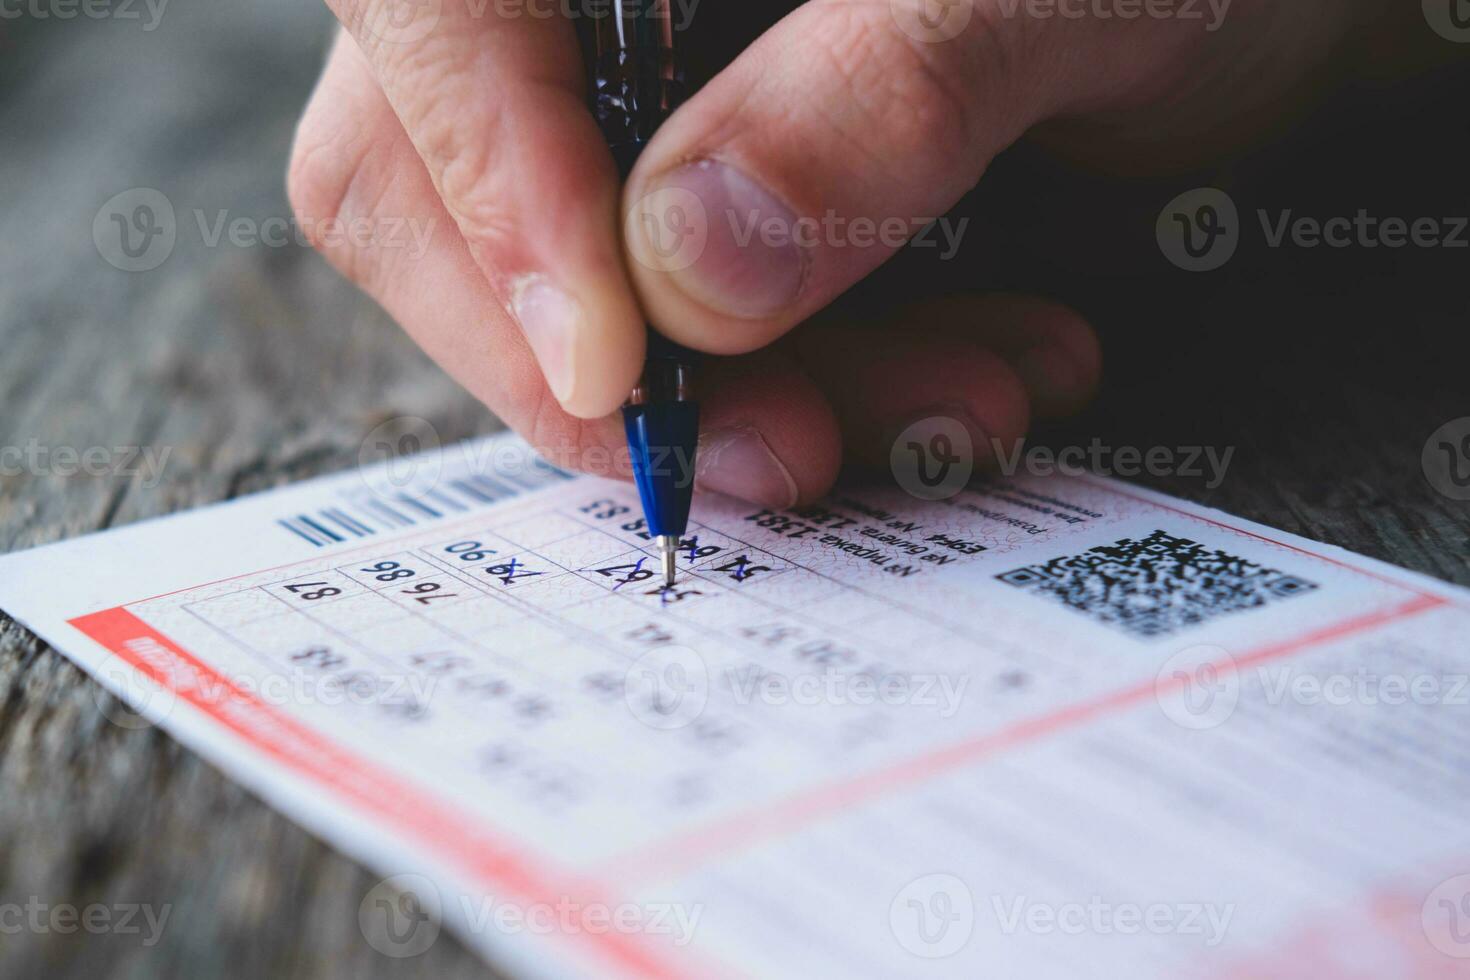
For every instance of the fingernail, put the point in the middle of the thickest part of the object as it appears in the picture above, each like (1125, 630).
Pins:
(750, 263)
(1049, 372)
(550, 320)
(740, 463)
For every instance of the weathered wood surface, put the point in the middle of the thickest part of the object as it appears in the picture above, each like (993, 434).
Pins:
(1326, 370)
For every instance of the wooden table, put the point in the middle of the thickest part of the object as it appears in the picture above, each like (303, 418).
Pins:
(1326, 370)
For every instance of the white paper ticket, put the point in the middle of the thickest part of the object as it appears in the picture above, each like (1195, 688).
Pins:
(1043, 728)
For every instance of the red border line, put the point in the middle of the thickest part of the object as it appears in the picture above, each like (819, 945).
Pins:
(438, 824)
(363, 785)
(786, 815)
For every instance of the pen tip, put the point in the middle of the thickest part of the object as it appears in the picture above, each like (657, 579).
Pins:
(669, 546)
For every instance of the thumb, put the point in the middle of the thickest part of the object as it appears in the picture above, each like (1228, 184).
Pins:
(828, 144)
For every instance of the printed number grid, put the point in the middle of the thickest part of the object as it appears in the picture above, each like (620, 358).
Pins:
(535, 615)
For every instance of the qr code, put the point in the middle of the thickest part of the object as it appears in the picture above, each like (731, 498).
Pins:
(1156, 585)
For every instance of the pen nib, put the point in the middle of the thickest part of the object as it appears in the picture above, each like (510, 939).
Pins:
(669, 548)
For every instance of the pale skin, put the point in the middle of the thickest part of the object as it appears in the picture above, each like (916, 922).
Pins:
(527, 293)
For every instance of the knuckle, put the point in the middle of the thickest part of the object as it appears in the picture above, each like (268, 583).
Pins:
(428, 82)
(313, 177)
(462, 140)
(334, 178)
(924, 98)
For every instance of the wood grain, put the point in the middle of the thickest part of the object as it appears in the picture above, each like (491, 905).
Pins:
(257, 366)
(253, 367)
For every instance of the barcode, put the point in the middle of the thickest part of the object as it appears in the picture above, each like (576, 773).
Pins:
(1156, 585)
(371, 513)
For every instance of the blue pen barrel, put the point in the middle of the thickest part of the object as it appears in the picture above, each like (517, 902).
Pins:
(662, 438)
(661, 420)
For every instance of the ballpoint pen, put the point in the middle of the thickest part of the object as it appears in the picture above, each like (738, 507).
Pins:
(636, 84)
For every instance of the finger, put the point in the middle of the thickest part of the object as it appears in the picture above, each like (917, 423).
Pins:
(881, 380)
(816, 155)
(492, 99)
(1053, 350)
(768, 436)
(353, 165)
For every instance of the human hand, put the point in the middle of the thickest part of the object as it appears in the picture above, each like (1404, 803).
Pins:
(533, 288)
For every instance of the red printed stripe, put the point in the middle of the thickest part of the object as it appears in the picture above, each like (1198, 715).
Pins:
(785, 816)
(365, 786)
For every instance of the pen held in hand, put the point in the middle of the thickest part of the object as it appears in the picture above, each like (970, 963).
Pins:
(636, 84)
